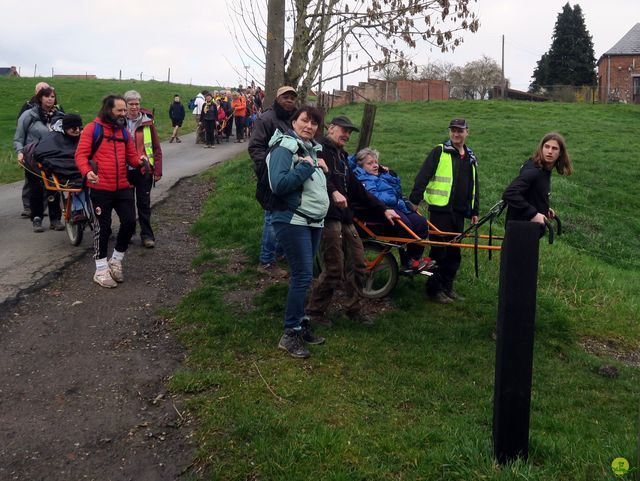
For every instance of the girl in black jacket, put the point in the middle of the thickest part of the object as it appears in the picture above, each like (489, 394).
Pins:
(176, 114)
(527, 197)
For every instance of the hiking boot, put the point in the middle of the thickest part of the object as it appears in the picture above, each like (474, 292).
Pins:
(26, 213)
(115, 268)
(171, 140)
(37, 224)
(178, 141)
(451, 294)
(440, 298)
(55, 224)
(291, 342)
(273, 270)
(319, 321)
(148, 243)
(104, 279)
(361, 318)
(308, 335)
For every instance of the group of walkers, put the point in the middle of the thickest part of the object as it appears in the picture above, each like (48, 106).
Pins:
(308, 186)
(117, 156)
(310, 189)
(217, 112)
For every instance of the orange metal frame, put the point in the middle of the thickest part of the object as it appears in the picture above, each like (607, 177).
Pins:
(433, 231)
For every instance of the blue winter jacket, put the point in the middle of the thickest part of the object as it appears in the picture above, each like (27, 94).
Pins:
(385, 186)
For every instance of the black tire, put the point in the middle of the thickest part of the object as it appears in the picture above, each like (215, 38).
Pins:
(382, 278)
(74, 231)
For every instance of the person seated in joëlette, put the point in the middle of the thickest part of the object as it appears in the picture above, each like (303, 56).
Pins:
(385, 185)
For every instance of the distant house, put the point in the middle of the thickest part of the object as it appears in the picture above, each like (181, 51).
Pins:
(619, 70)
(9, 72)
(81, 75)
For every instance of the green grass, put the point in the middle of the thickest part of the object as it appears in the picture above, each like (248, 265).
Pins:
(411, 399)
(83, 97)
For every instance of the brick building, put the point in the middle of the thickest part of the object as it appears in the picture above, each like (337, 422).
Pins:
(619, 70)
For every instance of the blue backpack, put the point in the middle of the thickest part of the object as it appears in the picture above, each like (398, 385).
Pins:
(192, 104)
(98, 137)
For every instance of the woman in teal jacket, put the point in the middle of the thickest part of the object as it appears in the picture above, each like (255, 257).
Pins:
(300, 202)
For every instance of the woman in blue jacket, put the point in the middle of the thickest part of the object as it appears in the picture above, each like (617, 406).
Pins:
(385, 185)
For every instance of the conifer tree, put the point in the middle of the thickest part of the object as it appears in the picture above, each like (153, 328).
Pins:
(570, 60)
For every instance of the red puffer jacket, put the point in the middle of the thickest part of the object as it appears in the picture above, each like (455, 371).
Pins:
(111, 157)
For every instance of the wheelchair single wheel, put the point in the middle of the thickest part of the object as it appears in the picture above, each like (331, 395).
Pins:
(74, 231)
(382, 271)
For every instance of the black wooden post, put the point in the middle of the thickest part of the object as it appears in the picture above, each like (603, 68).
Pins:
(366, 127)
(514, 344)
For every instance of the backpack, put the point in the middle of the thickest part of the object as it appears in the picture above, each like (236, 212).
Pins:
(98, 137)
(192, 104)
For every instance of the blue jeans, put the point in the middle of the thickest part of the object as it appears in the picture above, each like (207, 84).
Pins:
(300, 244)
(269, 248)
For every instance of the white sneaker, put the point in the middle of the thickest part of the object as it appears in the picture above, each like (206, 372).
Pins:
(115, 267)
(104, 279)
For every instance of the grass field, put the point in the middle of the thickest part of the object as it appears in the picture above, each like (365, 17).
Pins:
(411, 398)
(83, 97)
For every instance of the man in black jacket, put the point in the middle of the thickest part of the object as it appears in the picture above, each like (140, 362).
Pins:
(340, 246)
(276, 118)
(448, 182)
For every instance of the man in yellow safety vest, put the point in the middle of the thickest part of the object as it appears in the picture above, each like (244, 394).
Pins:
(143, 132)
(448, 183)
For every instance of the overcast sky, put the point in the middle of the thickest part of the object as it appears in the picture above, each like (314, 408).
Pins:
(191, 37)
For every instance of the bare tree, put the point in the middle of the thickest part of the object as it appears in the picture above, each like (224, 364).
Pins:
(375, 30)
(435, 71)
(476, 79)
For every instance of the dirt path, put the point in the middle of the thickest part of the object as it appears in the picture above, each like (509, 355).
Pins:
(83, 369)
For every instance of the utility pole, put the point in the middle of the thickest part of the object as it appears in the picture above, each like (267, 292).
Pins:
(321, 62)
(504, 84)
(35, 69)
(342, 59)
(274, 68)
(169, 76)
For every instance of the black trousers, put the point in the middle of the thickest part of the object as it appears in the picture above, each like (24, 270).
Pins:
(104, 203)
(448, 258)
(210, 131)
(240, 124)
(142, 184)
(37, 195)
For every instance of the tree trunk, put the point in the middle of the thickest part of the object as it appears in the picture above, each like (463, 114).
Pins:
(274, 71)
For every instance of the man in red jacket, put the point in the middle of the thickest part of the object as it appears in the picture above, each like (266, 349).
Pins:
(103, 161)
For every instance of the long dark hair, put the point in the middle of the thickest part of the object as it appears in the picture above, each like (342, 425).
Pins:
(45, 92)
(106, 111)
(563, 164)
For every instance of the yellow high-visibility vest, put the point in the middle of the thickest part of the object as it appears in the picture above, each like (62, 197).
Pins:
(438, 191)
(148, 144)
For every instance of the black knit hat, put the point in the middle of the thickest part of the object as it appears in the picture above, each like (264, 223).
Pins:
(71, 120)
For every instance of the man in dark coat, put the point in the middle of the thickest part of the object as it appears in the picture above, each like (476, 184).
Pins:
(340, 246)
(276, 118)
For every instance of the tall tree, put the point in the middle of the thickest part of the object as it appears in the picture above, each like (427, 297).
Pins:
(570, 60)
(374, 31)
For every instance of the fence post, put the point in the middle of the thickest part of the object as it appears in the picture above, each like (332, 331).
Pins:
(366, 127)
(514, 341)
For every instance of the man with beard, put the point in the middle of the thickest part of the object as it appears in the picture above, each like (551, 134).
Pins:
(340, 246)
(104, 150)
(276, 118)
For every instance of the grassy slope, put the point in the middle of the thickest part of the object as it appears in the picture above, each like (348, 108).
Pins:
(412, 397)
(82, 97)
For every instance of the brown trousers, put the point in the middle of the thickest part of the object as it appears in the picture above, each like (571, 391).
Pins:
(342, 261)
